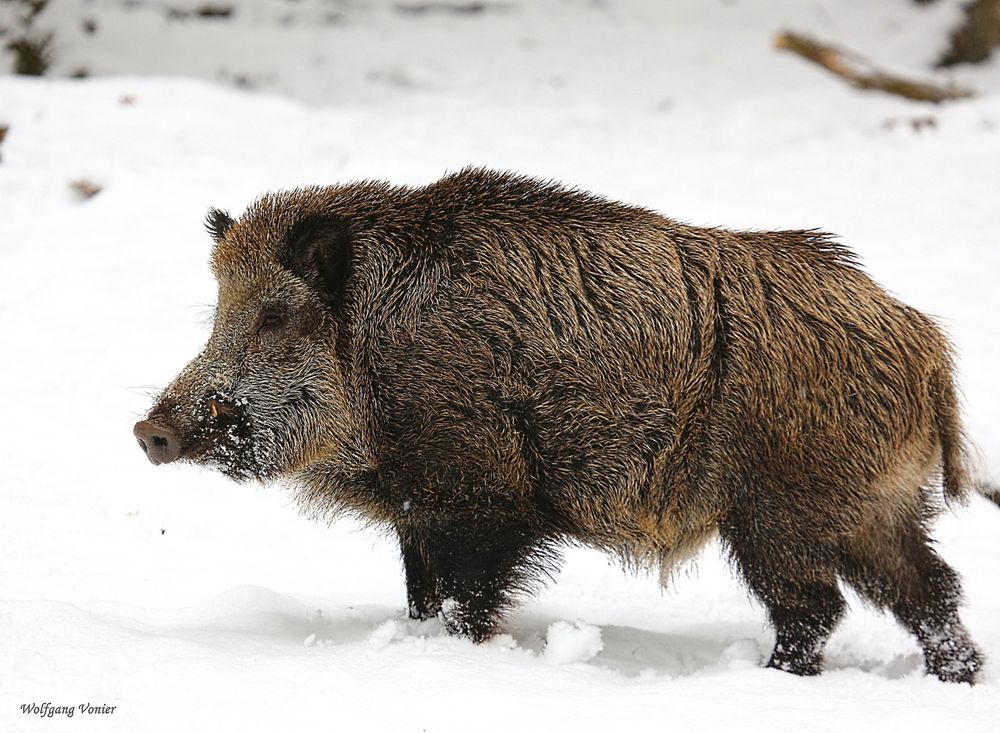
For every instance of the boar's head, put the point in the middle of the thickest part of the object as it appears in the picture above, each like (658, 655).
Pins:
(266, 397)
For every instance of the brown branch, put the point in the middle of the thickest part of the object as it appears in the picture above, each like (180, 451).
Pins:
(837, 62)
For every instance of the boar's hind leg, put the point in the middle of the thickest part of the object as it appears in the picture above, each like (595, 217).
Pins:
(895, 568)
(422, 595)
(479, 566)
(797, 586)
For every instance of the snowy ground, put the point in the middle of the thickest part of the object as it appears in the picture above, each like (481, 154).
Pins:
(190, 603)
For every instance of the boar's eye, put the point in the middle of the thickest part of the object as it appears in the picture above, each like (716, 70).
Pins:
(271, 318)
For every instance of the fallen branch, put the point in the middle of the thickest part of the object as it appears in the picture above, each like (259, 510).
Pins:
(837, 62)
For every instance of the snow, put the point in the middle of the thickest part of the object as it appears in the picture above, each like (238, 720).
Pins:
(567, 643)
(191, 603)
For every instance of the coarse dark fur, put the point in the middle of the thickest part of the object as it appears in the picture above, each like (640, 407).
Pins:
(492, 366)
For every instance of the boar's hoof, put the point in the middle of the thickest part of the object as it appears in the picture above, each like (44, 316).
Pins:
(789, 658)
(954, 662)
(802, 668)
(158, 442)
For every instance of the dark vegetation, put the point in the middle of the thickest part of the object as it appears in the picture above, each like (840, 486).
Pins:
(974, 40)
(32, 49)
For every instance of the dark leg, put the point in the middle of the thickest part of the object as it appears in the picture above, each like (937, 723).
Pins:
(796, 587)
(480, 566)
(803, 617)
(422, 597)
(896, 569)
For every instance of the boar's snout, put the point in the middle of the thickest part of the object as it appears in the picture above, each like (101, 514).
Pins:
(158, 442)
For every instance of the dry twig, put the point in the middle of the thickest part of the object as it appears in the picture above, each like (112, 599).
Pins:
(838, 62)
(84, 188)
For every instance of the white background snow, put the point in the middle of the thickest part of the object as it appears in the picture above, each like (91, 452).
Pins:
(191, 603)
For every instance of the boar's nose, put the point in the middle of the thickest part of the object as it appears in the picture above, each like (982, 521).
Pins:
(158, 442)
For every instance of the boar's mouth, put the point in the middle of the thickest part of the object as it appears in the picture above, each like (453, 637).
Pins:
(218, 433)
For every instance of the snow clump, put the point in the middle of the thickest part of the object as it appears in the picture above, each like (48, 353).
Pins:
(567, 643)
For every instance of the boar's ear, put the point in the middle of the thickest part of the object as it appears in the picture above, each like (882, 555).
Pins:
(318, 249)
(217, 222)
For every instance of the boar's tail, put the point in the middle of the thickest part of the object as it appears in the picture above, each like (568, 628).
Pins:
(954, 467)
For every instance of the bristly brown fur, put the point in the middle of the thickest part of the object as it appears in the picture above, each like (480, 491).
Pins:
(510, 365)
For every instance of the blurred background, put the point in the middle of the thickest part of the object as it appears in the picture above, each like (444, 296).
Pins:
(361, 51)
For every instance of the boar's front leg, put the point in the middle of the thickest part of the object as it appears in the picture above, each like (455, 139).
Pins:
(479, 565)
(422, 595)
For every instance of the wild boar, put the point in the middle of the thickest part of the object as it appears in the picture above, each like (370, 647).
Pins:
(491, 366)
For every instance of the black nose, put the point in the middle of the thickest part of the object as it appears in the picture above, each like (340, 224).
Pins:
(158, 442)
